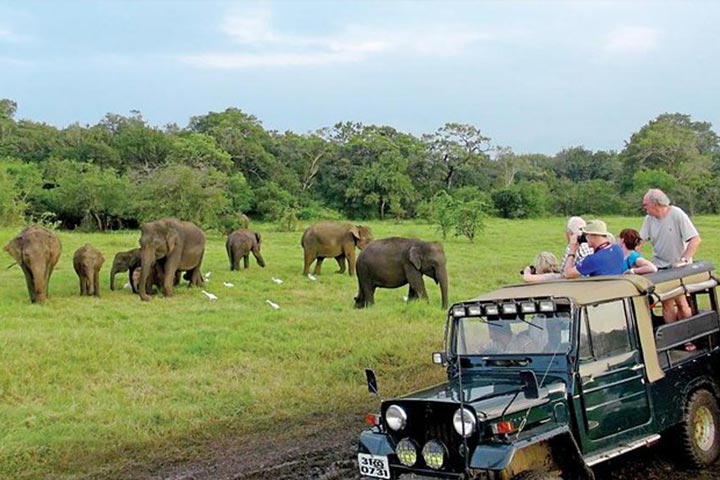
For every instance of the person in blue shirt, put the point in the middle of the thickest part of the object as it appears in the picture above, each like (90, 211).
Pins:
(607, 257)
(629, 240)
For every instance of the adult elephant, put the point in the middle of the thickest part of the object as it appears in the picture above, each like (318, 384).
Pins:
(180, 243)
(240, 244)
(37, 251)
(127, 261)
(336, 240)
(87, 262)
(394, 262)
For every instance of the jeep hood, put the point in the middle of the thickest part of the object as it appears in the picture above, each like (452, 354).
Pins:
(488, 395)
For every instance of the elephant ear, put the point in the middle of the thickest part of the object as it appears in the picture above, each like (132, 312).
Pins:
(13, 249)
(355, 232)
(172, 239)
(414, 256)
(258, 238)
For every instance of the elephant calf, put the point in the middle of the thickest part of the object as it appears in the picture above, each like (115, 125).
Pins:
(394, 262)
(37, 251)
(336, 240)
(127, 261)
(87, 262)
(240, 244)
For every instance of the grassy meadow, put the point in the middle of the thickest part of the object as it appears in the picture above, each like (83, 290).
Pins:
(95, 387)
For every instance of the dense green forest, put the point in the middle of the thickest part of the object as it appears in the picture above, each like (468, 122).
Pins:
(122, 171)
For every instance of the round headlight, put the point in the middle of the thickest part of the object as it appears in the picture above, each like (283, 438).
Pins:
(434, 454)
(396, 418)
(464, 422)
(406, 451)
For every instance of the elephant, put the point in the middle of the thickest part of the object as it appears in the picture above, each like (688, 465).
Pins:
(394, 262)
(239, 244)
(337, 240)
(87, 262)
(180, 243)
(127, 261)
(37, 251)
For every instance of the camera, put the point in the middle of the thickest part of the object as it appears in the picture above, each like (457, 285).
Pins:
(533, 270)
(582, 238)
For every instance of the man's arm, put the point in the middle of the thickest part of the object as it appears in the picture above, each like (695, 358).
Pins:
(569, 270)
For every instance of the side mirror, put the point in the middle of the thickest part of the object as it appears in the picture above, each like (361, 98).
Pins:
(438, 358)
(371, 381)
(530, 384)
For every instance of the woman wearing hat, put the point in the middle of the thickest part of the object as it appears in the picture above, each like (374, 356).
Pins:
(607, 257)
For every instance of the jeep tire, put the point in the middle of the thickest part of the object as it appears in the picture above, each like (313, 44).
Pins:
(535, 475)
(700, 429)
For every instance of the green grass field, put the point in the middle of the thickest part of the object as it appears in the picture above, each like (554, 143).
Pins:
(91, 387)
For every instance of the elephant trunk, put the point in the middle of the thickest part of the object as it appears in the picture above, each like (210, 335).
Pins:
(39, 283)
(113, 272)
(260, 259)
(442, 280)
(147, 259)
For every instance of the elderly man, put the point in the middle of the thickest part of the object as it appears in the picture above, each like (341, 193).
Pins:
(674, 239)
(606, 259)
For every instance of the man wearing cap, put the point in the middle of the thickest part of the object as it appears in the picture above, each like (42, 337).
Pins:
(606, 259)
(574, 226)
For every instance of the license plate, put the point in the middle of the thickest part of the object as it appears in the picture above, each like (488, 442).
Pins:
(373, 465)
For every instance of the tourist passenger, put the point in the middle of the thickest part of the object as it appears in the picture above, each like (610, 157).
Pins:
(574, 227)
(675, 241)
(606, 259)
(545, 268)
(634, 262)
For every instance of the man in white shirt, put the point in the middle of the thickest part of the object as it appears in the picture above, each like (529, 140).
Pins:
(675, 241)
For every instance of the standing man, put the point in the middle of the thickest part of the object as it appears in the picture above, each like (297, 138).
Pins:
(675, 241)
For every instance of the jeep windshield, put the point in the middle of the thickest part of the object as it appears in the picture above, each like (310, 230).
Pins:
(511, 328)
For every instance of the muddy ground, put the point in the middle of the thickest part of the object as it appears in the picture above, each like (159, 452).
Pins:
(321, 453)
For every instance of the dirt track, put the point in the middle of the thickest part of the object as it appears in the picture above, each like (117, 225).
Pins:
(329, 454)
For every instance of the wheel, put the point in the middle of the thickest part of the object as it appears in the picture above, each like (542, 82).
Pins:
(700, 429)
(535, 475)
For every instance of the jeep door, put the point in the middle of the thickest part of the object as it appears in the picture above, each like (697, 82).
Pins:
(612, 400)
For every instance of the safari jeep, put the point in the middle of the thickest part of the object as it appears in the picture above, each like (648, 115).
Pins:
(547, 380)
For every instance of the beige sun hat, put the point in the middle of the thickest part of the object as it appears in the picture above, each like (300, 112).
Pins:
(596, 227)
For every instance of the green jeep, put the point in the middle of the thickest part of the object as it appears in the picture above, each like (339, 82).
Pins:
(546, 380)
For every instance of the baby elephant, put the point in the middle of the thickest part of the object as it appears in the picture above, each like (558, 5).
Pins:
(87, 262)
(239, 244)
(128, 261)
(394, 262)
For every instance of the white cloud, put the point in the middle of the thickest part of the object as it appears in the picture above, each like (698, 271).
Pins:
(259, 44)
(631, 40)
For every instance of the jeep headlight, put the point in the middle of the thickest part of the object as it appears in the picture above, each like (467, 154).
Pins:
(396, 418)
(464, 422)
(406, 451)
(434, 454)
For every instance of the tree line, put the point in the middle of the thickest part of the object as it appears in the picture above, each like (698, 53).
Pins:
(122, 171)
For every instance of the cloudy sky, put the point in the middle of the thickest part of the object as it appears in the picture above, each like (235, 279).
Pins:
(536, 76)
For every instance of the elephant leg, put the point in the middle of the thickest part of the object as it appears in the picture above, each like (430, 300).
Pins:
(318, 265)
(96, 283)
(415, 279)
(133, 284)
(412, 294)
(236, 260)
(246, 261)
(309, 257)
(341, 263)
(350, 255)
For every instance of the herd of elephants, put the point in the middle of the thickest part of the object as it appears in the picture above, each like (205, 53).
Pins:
(169, 247)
